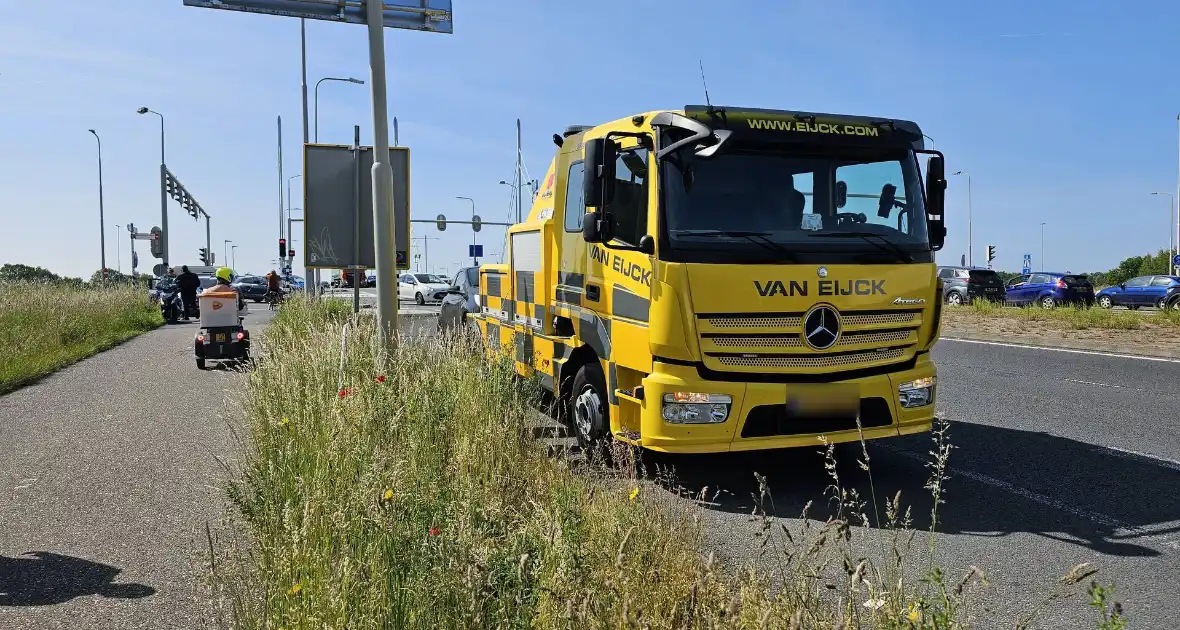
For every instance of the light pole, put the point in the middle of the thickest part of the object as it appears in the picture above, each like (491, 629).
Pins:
(225, 250)
(102, 235)
(931, 141)
(1044, 267)
(118, 251)
(289, 205)
(1171, 236)
(317, 98)
(233, 250)
(970, 257)
(164, 236)
(1176, 268)
(474, 234)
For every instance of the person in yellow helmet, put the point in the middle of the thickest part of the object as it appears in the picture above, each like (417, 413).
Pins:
(223, 288)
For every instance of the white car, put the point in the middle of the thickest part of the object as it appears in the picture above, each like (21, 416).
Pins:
(422, 287)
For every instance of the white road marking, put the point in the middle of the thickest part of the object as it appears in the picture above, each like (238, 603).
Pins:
(26, 484)
(1127, 453)
(1105, 520)
(1074, 380)
(1068, 350)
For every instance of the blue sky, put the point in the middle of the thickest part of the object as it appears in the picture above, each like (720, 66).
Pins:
(1061, 112)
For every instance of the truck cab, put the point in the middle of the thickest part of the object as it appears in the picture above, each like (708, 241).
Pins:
(716, 279)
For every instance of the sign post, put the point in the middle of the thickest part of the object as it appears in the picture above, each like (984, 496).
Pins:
(1026, 266)
(422, 15)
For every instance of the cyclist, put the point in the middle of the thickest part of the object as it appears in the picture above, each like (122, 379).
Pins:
(274, 286)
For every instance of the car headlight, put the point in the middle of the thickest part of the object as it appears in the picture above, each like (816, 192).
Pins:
(696, 408)
(916, 393)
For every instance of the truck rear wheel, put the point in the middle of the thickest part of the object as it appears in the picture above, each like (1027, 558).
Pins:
(588, 409)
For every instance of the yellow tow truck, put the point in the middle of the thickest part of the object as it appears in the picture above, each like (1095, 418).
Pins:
(725, 279)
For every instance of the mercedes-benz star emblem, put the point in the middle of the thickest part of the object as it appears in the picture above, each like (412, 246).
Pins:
(823, 272)
(821, 327)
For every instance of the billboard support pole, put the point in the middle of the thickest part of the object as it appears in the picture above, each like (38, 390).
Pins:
(383, 211)
(356, 218)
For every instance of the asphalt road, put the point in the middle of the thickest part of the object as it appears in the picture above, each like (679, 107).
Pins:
(1060, 458)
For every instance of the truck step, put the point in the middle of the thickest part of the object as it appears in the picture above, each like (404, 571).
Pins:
(543, 426)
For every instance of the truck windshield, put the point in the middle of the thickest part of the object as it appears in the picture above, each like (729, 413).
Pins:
(803, 203)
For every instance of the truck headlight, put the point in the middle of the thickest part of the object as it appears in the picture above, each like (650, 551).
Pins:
(916, 393)
(696, 408)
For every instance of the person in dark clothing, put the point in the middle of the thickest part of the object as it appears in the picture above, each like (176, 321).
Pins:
(189, 283)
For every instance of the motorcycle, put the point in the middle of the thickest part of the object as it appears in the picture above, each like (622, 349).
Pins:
(171, 306)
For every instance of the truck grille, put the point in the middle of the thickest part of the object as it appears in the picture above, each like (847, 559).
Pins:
(774, 341)
(809, 360)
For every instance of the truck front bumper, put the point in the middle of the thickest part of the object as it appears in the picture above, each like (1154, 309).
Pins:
(759, 416)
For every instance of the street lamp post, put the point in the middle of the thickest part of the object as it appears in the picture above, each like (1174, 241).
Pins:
(118, 251)
(233, 250)
(225, 250)
(1044, 267)
(102, 235)
(317, 98)
(970, 257)
(164, 235)
(289, 205)
(474, 234)
(1171, 236)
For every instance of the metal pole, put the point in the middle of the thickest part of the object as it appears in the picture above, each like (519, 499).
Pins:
(289, 204)
(970, 238)
(474, 261)
(233, 250)
(280, 176)
(208, 238)
(356, 215)
(163, 189)
(384, 226)
(519, 172)
(1044, 267)
(395, 143)
(225, 249)
(1176, 248)
(118, 252)
(102, 235)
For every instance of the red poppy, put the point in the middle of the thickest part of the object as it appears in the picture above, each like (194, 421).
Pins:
(381, 379)
(347, 391)
(434, 531)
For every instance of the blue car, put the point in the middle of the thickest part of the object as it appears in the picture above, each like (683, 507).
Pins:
(1157, 291)
(1049, 290)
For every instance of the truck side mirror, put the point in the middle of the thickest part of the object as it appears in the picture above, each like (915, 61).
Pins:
(598, 187)
(935, 197)
(598, 227)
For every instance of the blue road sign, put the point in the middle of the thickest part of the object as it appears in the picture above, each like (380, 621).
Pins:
(1176, 259)
(475, 251)
(433, 15)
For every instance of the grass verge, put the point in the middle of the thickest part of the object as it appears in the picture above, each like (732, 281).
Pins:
(414, 498)
(1070, 317)
(47, 326)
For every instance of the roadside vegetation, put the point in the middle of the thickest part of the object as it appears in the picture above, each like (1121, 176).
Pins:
(1068, 317)
(47, 325)
(414, 497)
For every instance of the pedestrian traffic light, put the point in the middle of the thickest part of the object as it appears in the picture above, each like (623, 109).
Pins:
(282, 248)
(204, 256)
(291, 253)
(991, 253)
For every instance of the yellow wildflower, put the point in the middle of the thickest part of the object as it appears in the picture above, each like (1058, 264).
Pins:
(388, 496)
(913, 613)
(284, 422)
(295, 588)
(634, 493)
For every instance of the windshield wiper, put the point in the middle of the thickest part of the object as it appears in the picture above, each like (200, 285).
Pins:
(884, 244)
(759, 238)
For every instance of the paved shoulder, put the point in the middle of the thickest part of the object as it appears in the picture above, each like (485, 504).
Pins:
(109, 474)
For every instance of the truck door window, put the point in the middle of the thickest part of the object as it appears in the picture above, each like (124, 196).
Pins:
(865, 183)
(630, 203)
(575, 207)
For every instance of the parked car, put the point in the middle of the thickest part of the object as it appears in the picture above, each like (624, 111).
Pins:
(1050, 289)
(422, 287)
(1157, 291)
(461, 300)
(251, 287)
(963, 285)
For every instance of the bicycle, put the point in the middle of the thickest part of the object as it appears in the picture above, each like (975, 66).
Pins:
(274, 299)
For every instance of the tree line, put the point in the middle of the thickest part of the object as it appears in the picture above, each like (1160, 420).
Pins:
(16, 272)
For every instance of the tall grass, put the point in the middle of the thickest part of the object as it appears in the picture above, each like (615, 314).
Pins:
(47, 326)
(415, 498)
(1072, 317)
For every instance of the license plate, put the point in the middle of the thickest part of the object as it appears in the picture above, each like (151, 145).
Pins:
(828, 400)
(991, 289)
(219, 337)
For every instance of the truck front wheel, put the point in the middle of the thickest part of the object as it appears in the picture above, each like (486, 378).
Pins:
(588, 409)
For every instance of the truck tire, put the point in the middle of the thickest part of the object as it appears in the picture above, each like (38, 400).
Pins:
(589, 413)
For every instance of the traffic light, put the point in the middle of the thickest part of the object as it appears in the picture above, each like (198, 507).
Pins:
(442, 222)
(291, 253)
(204, 256)
(157, 246)
(991, 253)
(282, 248)
(476, 222)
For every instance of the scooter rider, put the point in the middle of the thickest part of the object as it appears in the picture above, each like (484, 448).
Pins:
(188, 283)
(225, 276)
